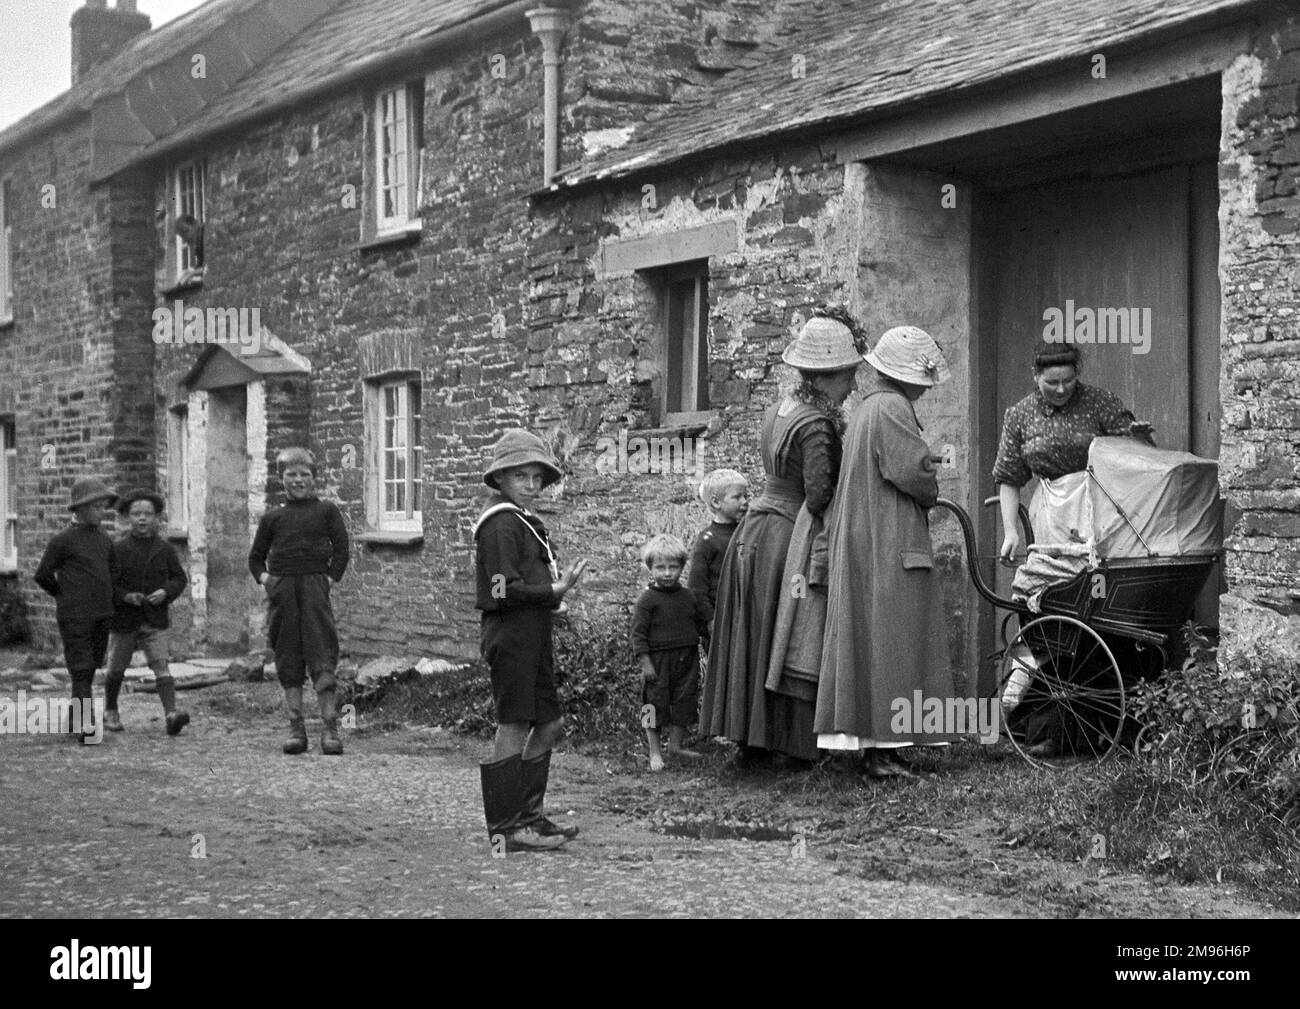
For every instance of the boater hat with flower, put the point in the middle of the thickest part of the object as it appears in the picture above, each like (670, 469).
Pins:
(909, 354)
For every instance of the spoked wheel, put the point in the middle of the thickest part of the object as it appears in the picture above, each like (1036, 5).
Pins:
(1059, 680)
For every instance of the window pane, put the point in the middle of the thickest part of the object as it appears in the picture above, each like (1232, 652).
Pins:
(685, 317)
(391, 150)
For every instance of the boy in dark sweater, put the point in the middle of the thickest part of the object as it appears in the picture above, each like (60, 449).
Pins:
(78, 570)
(299, 547)
(518, 587)
(667, 626)
(149, 579)
(726, 492)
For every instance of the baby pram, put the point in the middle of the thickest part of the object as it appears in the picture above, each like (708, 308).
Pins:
(1157, 531)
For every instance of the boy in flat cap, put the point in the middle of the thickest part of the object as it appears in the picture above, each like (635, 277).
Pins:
(149, 579)
(518, 586)
(299, 548)
(78, 570)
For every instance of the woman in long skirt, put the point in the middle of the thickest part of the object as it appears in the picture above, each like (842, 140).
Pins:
(800, 444)
(885, 627)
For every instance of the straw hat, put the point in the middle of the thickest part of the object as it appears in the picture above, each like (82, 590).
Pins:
(518, 447)
(909, 355)
(86, 491)
(822, 345)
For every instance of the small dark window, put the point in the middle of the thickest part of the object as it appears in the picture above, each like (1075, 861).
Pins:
(686, 343)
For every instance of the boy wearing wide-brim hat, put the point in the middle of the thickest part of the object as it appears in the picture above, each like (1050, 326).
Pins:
(518, 587)
(78, 569)
(149, 579)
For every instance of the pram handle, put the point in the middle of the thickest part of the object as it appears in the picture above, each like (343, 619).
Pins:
(968, 534)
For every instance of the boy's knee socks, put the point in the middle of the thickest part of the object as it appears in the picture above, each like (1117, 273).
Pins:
(166, 691)
(113, 688)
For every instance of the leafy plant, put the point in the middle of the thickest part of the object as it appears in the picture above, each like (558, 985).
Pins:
(13, 615)
(599, 688)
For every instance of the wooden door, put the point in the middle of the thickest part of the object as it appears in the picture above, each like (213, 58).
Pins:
(1093, 249)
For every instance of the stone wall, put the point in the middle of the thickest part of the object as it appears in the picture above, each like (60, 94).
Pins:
(73, 372)
(281, 237)
(1259, 266)
(807, 228)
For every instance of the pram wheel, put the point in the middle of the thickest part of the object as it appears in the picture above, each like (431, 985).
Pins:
(1058, 680)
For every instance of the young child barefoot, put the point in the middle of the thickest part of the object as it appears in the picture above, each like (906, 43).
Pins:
(667, 626)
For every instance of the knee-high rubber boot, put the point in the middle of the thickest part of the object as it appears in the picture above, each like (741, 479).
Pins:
(297, 741)
(113, 680)
(83, 693)
(175, 720)
(536, 774)
(330, 744)
(502, 797)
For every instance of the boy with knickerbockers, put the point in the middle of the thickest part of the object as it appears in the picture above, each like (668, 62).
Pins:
(149, 579)
(300, 547)
(78, 569)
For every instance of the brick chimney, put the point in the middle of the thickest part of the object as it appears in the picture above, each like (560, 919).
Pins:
(100, 32)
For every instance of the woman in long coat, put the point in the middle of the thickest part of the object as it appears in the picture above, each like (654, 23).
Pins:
(800, 444)
(885, 628)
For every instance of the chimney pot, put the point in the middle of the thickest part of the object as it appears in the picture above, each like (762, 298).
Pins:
(100, 33)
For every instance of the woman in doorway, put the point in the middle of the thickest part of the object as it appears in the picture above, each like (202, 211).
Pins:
(1047, 435)
(800, 446)
(886, 633)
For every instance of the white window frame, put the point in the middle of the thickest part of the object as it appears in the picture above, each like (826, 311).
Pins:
(394, 433)
(178, 468)
(6, 255)
(396, 166)
(8, 495)
(188, 185)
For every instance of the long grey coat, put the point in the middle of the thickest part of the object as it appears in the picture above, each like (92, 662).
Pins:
(885, 627)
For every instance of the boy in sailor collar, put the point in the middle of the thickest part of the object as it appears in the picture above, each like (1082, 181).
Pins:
(518, 587)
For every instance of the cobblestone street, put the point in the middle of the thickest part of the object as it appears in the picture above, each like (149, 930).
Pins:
(394, 827)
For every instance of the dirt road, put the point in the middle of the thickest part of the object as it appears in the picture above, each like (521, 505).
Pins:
(394, 828)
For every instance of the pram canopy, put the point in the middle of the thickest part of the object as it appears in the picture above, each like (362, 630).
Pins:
(1170, 498)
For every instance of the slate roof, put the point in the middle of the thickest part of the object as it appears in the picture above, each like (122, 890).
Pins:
(870, 58)
(258, 52)
(151, 51)
(347, 37)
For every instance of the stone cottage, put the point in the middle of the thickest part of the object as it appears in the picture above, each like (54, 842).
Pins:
(969, 168)
(273, 222)
(389, 229)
